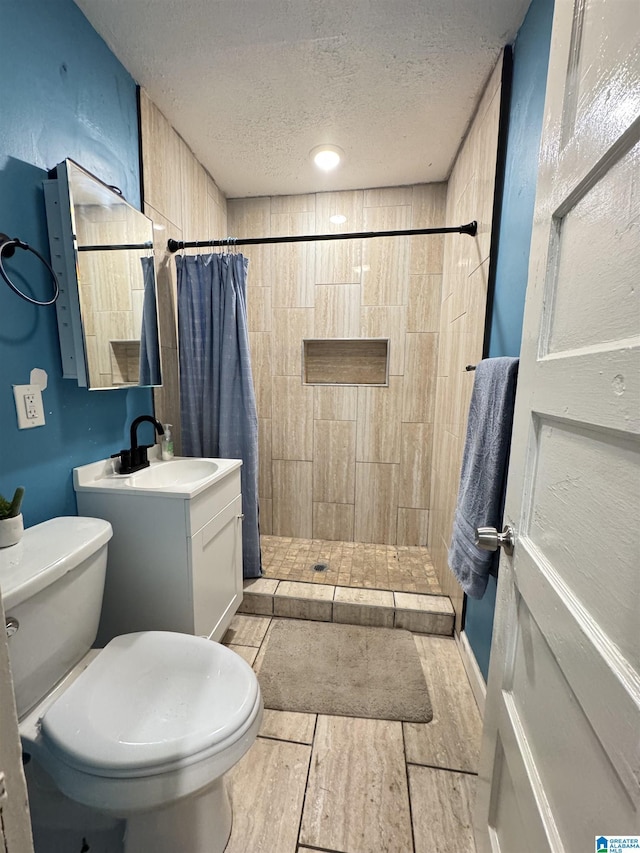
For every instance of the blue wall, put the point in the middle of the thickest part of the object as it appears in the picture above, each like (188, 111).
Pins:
(64, 95)
(530, 60)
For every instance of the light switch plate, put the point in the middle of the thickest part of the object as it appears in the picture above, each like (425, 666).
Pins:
(29, 406)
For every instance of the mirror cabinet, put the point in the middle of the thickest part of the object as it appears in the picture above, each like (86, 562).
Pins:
(102, 251)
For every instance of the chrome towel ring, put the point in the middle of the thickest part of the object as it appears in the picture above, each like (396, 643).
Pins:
(8, 246)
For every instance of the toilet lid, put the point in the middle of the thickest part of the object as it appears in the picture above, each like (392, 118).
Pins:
(150, 699)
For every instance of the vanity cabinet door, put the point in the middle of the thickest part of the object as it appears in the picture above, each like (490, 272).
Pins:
(216, 552)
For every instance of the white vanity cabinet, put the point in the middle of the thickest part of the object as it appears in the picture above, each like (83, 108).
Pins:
(175, 559)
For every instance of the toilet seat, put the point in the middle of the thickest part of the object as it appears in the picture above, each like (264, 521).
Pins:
(150, 703)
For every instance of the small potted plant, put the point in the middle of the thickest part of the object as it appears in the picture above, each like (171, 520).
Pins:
(11, 526)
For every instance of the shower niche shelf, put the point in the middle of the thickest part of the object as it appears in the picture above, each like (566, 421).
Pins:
(345, 361)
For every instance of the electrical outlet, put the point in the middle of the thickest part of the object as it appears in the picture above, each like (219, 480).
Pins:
(28, 406)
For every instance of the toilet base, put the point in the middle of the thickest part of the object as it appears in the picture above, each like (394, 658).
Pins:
(196, 824)
(60, 825)
(199, 823)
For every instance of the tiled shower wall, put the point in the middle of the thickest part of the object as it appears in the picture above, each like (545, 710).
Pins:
(347, 463)
(111, 298)
(381, 492)
(464, 295)
(181, 198)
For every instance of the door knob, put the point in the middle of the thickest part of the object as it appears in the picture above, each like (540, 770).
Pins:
(489, 539)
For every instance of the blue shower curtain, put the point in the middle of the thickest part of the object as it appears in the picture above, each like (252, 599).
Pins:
(149, 371)
(217, 399)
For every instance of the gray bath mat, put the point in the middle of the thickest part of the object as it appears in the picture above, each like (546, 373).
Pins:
(344, 670)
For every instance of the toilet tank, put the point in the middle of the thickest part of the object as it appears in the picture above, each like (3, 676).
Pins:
(52, 583)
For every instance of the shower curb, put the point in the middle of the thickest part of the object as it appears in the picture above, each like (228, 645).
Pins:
(416, 612)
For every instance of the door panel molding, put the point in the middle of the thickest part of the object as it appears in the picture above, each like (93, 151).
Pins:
(605, 684)
(592, 399)
(524, 772)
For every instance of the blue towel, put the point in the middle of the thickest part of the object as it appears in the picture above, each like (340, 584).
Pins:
(484, 471)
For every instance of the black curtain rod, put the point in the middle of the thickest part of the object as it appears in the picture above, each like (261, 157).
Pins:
(116, 247)
(230, 242)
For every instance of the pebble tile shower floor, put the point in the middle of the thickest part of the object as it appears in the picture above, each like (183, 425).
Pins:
(401, 568)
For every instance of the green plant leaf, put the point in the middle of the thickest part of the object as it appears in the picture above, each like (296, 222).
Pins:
(16, 503)
(11, 510)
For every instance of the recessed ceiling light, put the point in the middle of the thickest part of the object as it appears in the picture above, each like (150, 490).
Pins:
(327, 157)
(337, 219)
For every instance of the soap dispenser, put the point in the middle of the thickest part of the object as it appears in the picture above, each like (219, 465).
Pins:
(167, 442)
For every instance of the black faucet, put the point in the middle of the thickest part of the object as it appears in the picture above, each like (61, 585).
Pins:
(135, 458)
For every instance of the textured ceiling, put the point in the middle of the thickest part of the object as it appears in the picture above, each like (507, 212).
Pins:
(254, 85)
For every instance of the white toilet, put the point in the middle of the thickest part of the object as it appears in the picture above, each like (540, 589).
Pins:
(144, 729)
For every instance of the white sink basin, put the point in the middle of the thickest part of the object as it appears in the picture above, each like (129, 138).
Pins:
(177, 472)
(182, 477)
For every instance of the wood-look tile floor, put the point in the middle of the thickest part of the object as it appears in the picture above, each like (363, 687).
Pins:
(349, 785)
(401, 568)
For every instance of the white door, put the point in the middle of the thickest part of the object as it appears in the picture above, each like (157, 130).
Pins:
(15, 826)
(560, 761)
